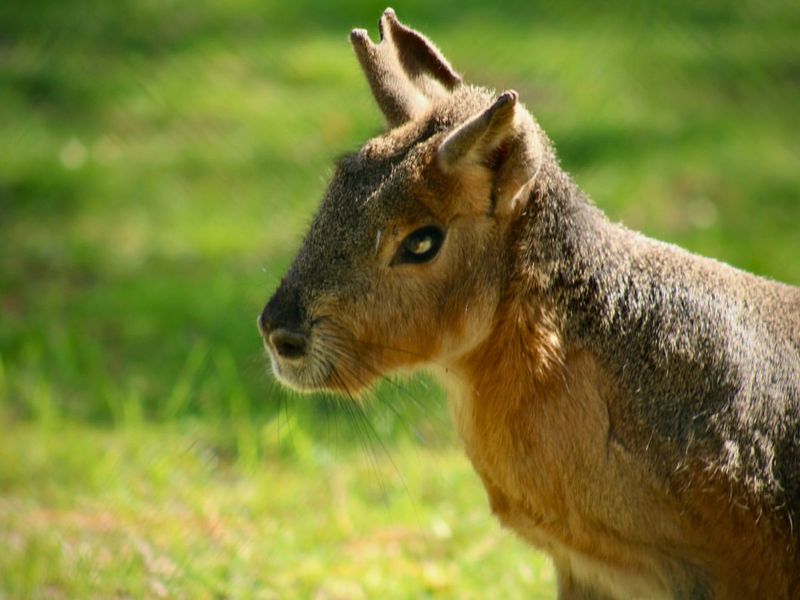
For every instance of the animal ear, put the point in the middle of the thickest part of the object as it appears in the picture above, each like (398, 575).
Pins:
(405, 70)
(502, 139)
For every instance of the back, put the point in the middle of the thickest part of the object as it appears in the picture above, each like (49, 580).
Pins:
(708, 356)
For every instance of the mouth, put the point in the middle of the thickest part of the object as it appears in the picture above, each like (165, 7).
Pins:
(324, 357)
(321, 370)
(305, 375)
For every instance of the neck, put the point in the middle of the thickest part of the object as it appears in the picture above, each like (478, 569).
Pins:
(521, 362)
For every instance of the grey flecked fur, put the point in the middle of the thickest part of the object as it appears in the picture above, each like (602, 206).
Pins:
(703, 359)
(709, 355)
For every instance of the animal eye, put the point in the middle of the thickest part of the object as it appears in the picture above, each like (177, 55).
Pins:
(420, 246)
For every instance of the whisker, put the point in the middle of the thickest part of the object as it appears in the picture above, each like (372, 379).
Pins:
(419, 405)
(358, 419)
(345, 355)
(373, 435)
(333, 335)
(360, 411)
(330, 333)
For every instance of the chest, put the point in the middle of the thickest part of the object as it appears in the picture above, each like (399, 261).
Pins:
(543, 447)
(553, 475)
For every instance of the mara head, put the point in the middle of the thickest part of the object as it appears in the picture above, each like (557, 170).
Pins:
(409, 253)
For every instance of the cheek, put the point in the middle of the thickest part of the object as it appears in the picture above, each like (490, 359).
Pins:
(395, 323)
(473, 284)
(469, 311)
(405, 318)
(408, 319)
(449, 309)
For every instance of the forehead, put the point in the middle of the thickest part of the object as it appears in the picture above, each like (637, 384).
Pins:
(392, 177)
(379, 183)
(367, 194)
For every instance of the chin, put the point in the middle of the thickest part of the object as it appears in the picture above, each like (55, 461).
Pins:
(296, 378)
(315, 378)
(297, 385)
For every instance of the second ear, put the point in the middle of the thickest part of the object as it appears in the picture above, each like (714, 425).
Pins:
(405, 71)
(503, 139)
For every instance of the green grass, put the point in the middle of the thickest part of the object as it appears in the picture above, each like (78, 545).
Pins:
(159, 162)
(156, 512)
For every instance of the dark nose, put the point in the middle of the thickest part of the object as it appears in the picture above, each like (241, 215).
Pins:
(281, 323)
(263, 325)
(290, 345)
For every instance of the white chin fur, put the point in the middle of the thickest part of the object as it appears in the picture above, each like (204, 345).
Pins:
(289, 378)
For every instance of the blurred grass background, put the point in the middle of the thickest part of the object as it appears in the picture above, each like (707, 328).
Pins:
(159, 162)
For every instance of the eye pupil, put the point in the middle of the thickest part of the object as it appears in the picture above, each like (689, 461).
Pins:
(420, 246)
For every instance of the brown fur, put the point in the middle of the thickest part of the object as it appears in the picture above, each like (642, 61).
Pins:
(632, 409)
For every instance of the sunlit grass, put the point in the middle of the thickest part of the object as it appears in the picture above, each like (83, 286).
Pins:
(166, 512)
(159, 163)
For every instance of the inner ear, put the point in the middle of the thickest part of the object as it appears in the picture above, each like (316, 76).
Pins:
(475, 141)
(498, 157)
(503, 139)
